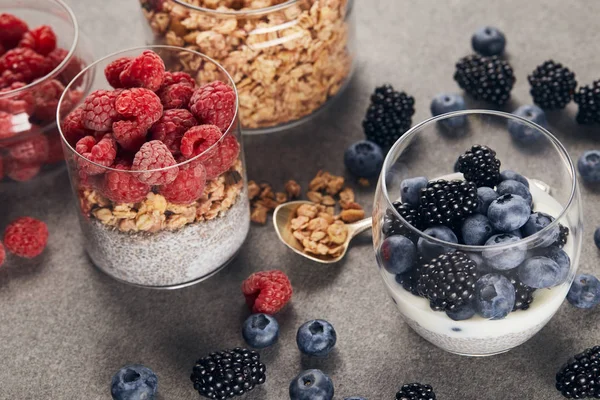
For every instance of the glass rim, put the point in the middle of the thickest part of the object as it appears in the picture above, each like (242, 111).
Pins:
(142, 48)
(471, 248)
(237, 13)
(60, 66)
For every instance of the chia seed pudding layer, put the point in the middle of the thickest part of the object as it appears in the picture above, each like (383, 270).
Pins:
(168, 258)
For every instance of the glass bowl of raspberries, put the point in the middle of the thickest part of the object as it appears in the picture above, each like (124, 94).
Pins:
(39, 56)
(477, 234)
(156, 162)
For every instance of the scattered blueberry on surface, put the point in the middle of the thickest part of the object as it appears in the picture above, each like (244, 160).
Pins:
(311, 384)
(597, 237)
(510, 175)
(461, 313)
(585, 291)
(410, 190)
(316, 338)
(429, 249)
(444, 103)
(504, 259)
(589, 166)
(260, 331)
(398, 254)
(538, 221)
(523, 133)
(134, 382)
(485, 196)
(509, 212)
(476, 230)
(364, 159)
(488, 41)
(540, 272)
(494, 296)
(514, 187)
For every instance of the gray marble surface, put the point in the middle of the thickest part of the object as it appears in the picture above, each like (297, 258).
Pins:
(65, 328)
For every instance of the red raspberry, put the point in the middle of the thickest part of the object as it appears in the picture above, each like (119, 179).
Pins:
(170, 128)
(124, 187)
(7, 128)
(114, 69)
(156, 5)
(199, 139)
(2, 254)
(101, 152)
(142, 107)
(2, 49)
(46, 100)
(224, 157)
(188, 186)
(55, 150)
(214, 104)
(21, 172)
(22, 102)
(174, 78)
(26, 64)
(33, 150)
(99, 111)
(72, 126)
(42, 40)
(267, 291)
(12, 30)
(155, 155)
(8, 78)
(146, 70)
(26, 237)
(176, 96)
(69, 71)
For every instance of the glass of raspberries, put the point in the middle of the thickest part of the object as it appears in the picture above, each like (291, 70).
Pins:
(39, 56)
(155, 160)
(477, 235)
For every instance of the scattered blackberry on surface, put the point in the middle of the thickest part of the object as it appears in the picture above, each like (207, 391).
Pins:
(415, 391)
(588, 100)
(485, 78)
(552, 85)
(393, 226)
(448, 281)
(225, 374)
(389, 116)
(578, 378)
(447, 203)
(563, 236)
(480, 165)
(523, 293)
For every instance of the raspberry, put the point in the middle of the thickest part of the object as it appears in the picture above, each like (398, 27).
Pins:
(12, 30)
(103, 152)
(7, 129)
(99, 111)
(114, 69)
(174, 78)
(42, 40)
(23, 102)
(46, 100)
(70, 70)
(2, 254)
(267, 291)
(30, 151)
(176, 96)
(143, 108)
(55, 151)
(155, 155)
(2, 50)
(72, 126)
(224, 157)
(26, 237)
(188, 186)
(21, 172)
(170, 128)
(199, 139)
(146, 70)
(25, 65)
(214, 104)
(123, 187)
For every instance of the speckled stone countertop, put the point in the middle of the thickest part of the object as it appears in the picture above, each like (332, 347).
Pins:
(65, 327)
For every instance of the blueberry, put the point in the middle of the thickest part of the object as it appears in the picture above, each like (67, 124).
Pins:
(510, 175)
(597, 237)
(488, 41)
(364, 159)
(589, 166)
(509, 212)
(311, 384)
(514, 187)
(494, 296)
(540, 272)
(504, 259)
(429, 249)
(563, 260)
(260, 331)
(538, 221)
(485, 196)
(585, 291)
(447, 102)
(517, 233)
(410, 189)
(464, 312)
(134, 382)
(523, 133)
(398, 254)
(476, 230)
(316, 338)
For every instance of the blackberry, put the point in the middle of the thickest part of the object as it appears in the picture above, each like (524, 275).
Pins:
(580, 376)
(415, 391)
(410, 279)
(480, 165)
(485, 78)
(563, 236)
(552, 85)
(523, 293)
(389, 116)
(393, 226)
(448, 281)
(588, 100)
(447, 202)
(225, 374)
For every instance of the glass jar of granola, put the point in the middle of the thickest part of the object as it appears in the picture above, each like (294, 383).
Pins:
(156, 163)
(288, 58)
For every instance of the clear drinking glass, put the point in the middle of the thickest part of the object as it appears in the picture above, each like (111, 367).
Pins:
(138, 233)
(431, 149)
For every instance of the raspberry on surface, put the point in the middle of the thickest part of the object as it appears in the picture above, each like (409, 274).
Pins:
(214, 104)
(223, 158)
(114, 69)
(171, 127)
(141, 108)
(155, 155)
(42, 40)
(46, 100)
(99, 111)
(123, 186)
(23, 102)
(32, 150)
(146, 71)
(103, 152)
(73, 128)
(198, 139)
(174, 78)
(176, 96)
(20, 171)
(26, 237)
(2, 254)
(12, 30)
(188, 186)
(25, 64)
(267, 291)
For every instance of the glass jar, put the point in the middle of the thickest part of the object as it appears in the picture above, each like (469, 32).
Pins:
(288, 58)
(503, 289)
(141, 232)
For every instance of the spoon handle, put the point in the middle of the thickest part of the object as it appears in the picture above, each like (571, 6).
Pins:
(361, 226)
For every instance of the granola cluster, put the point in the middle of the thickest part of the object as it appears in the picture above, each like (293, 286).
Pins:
(155, 213)
(286, 63)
